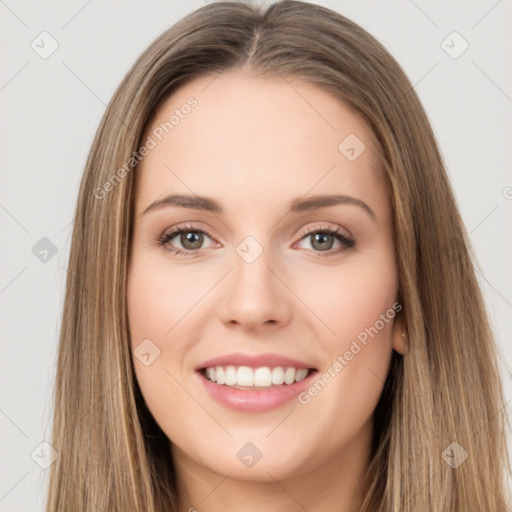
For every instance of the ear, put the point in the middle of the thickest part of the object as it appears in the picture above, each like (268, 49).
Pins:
(399, 335)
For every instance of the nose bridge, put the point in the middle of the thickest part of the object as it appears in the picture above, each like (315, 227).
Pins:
(255, 296)
(251, 265)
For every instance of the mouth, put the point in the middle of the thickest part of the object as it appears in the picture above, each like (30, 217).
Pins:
(254, 389)
(259, 378)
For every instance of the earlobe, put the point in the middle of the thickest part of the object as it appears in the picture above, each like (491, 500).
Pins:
(400, 336)
(405, 343)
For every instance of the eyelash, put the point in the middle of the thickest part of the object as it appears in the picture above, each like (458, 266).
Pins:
(166, 237)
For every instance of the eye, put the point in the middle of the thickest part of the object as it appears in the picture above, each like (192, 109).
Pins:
(190, 238)
(323, 238)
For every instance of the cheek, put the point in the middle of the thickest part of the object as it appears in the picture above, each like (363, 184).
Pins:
(158, 299)
(157, 310)
(350, 300)
(159, 306)
(359, 306)
(365, 298)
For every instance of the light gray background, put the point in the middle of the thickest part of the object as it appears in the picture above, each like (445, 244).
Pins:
(50, 111)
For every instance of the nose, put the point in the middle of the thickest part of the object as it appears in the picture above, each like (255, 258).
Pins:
(254, 296)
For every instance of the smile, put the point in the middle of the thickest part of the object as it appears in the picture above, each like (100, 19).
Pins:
(245, 377)
(254, 390)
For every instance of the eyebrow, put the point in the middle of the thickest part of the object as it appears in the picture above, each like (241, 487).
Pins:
(297, 205)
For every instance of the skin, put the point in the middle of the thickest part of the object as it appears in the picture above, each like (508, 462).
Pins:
(255, 144)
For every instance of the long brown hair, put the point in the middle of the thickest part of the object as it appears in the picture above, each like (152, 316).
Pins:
(112, 454)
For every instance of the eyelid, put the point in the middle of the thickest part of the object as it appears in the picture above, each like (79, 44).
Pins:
(310, 229)
(326, 227)
(171, 233)
(347, 241)
(334, 230)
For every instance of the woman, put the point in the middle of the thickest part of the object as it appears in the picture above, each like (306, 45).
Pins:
(216, 353)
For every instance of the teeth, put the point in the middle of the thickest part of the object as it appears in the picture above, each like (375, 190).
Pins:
(289, 376)
(262, 377)
(230, 376)
(277, 376)
(211, 374)
(301, 374)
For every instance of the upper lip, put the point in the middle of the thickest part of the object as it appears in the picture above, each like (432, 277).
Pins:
(252, 361)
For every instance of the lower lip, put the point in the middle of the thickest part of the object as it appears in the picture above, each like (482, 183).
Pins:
(254, 400)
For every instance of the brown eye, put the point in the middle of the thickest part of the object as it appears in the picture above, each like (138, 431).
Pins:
(189, 240)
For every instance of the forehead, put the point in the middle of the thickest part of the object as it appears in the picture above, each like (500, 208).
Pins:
(249, 138)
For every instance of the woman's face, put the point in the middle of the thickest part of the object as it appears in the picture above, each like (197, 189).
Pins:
(262, 280)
